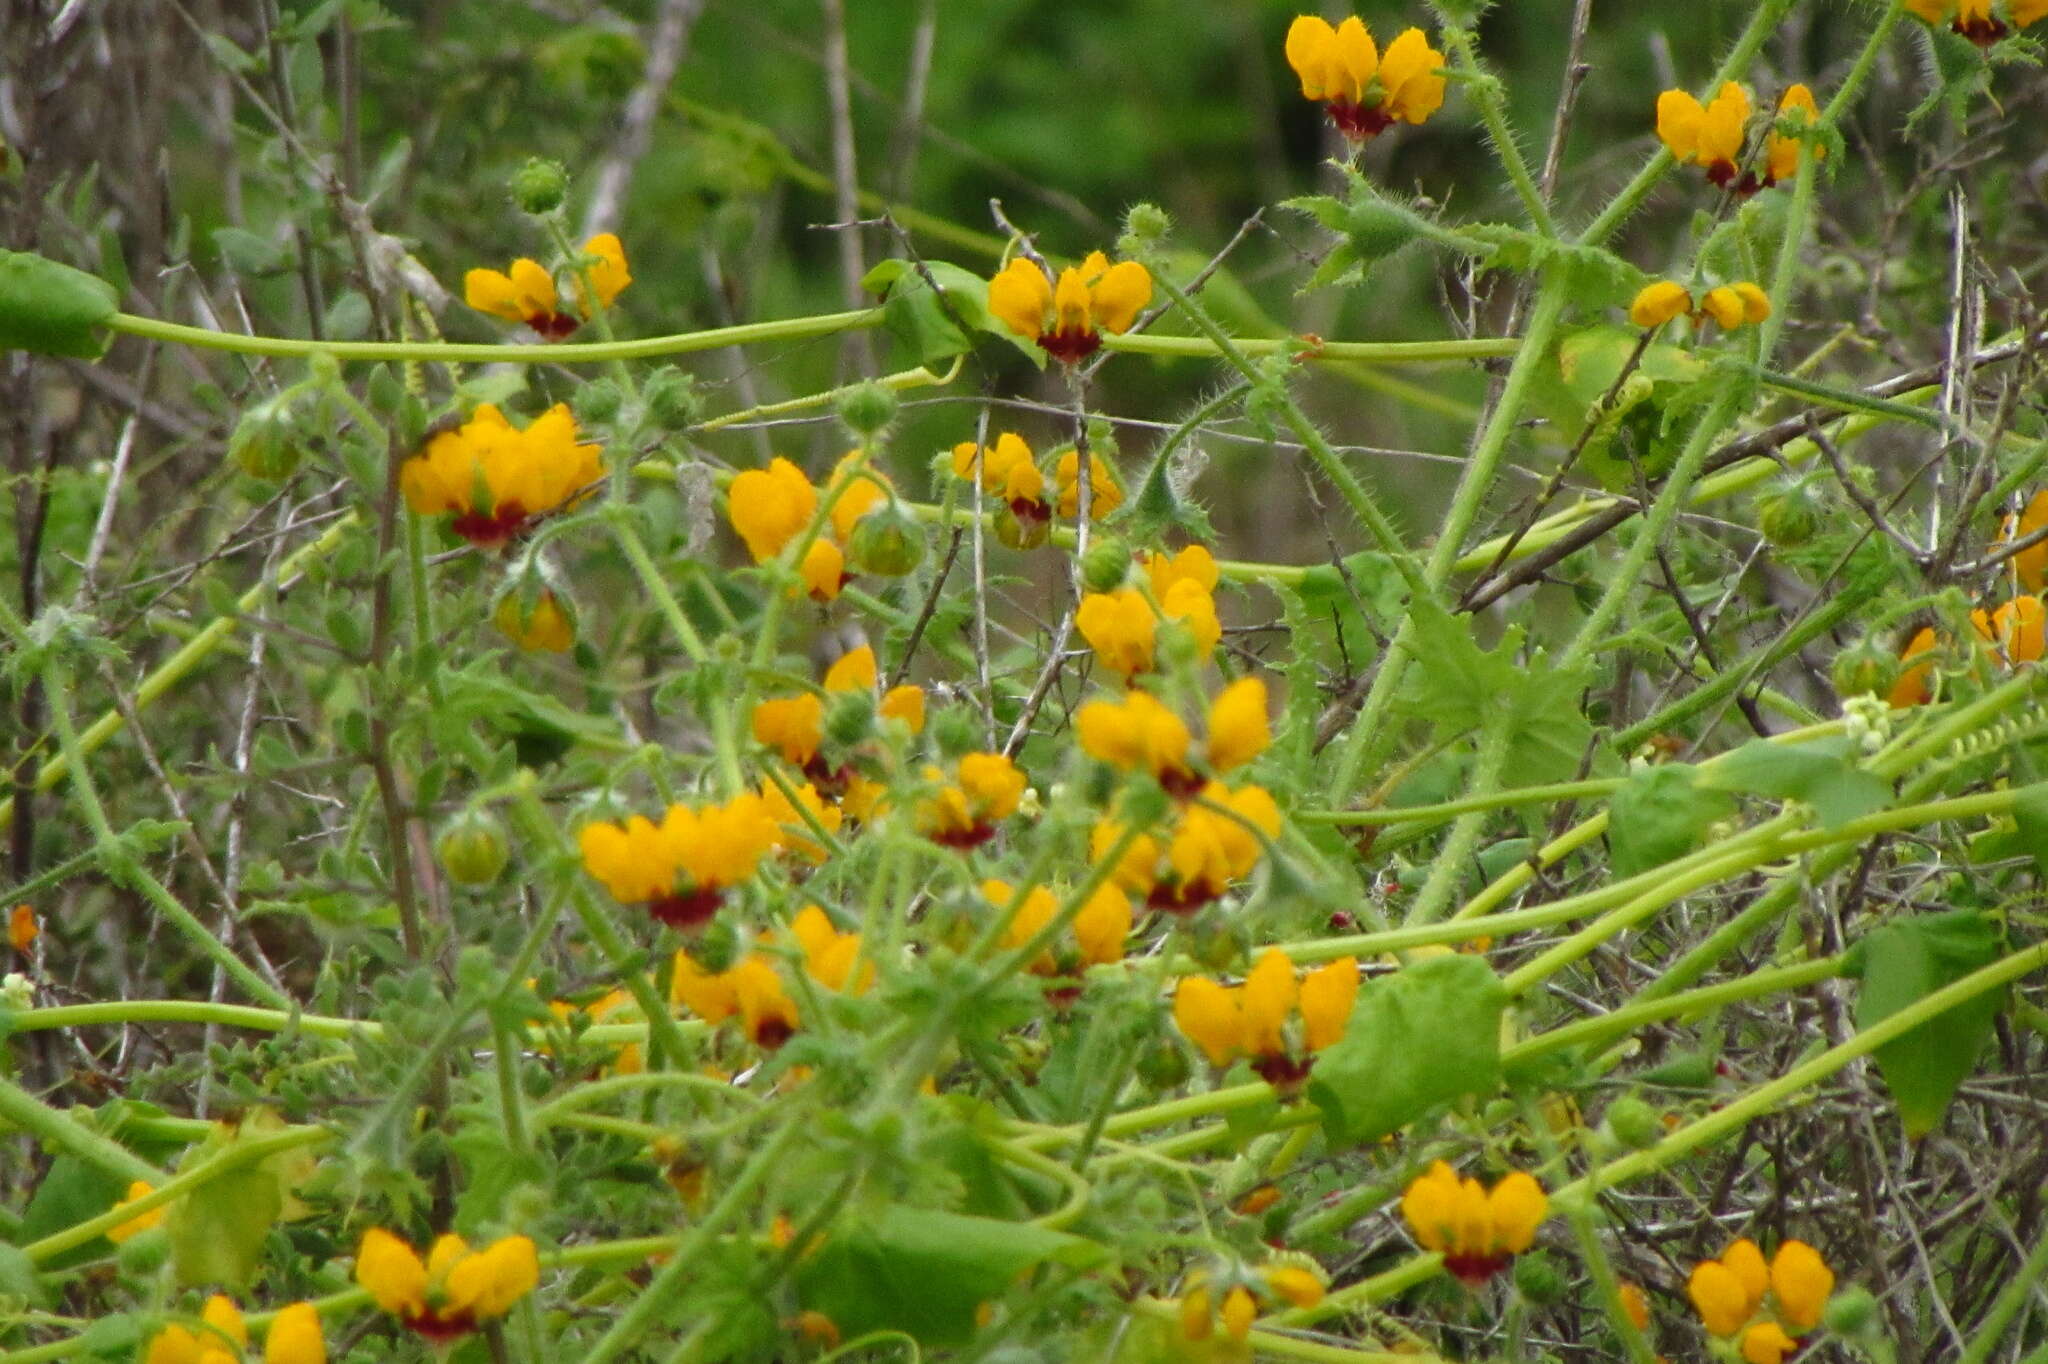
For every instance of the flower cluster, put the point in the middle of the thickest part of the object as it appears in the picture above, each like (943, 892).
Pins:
(772, 507)
(495, 478)
(1732, 1293)
(986, 789)
(1715, 134)
(220, 1336)
(794, 726)
(1477, 1230)
(1215, 839)
(2016, 631)
(1272, 1020)
(1099, 927)
(1980, 20)
(752, 988)
(526, 292)
(1233, 1298)
(682, 867)
(455, 1289)
(1364, 90)
(1067, 318)
(1729, 305)
(1122, 626)
(1010, 472)
(1139, 733)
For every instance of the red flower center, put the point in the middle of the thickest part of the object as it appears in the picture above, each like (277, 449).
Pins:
(505, 522)
(1359, 124)
(690, 910)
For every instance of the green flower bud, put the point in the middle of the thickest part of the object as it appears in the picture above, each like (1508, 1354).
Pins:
(887, 542)
(1865, 668)
(1634, 1123)
(597, 402)
(718, 946)
(264, 443)
(671, 398)
(1164, 1066)
(144, 1253)
(472, 849)
(868, 409)
(539, 186)
(955, 731)
(1539, 1279)
(1378, 228)
(1145, 225)
(850, 718)
(1851, 1312)
(1790, 514)
(1106, 564)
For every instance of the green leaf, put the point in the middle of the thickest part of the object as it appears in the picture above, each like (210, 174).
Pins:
(1421, 1037)
(70, 1193)
(1463, 687)
(1661, 815)
(1822, 773)
(925, 1272)
(52, 309)
(217, 1231)
(928, 325)
(1901, 964)
(245, 253)
(2030, 813)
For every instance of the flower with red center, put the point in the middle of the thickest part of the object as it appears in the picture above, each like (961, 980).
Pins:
(496, 478)
(1732, 1293)
(526, 292)
(1475, 1229)
(455, 1289)
(1980, 21)
(1010, 473)
(1292, 1280)
(681, 867)
(1099, 927)
(1272, 1020)
(1713, 135)
(220, 1336)
(1215, 840)
(987, 789)
(752, 989)
(1105, 494)
(1067, 318)
(1364, 91)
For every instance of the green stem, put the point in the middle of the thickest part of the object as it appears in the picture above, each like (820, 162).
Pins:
(24, 1112)
(556, 353)
(1483, 90)
(1450, 861)
(1443, 810)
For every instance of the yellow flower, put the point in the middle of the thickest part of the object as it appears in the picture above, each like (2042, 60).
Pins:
(829, 954)
(455, 1290)
(866, 489)
(1136, 733)
(223, 1337)
(1120, 627)
(526, 293)
(1105, 494)
(1732, 305)
(294, 1336)
(792, 831)
(1655, 304)
(681, 867)
(1195, 563)
(1100, 926)
(1720, 1297)
(2030, 565)
(135, 1226)
(823, 570)
(987, 789)
(1635, 1306)
(854, 670)
(1974, 18)
(1238, 731)
(1251, 1020)
(793, 726)
(1240, 1310)
(1190, 603)
(22, 928)
(1781, 153)
(1708, 135)
(1476, 1230)
(770, 507)
(539, 625)
(1300, 1286)
(1067, 319)
(1767, 1343)
(1365, 92)
(495, 478)
(1208, 848)
(905, 703)
(752, 990)
(1801, 1282)
(1008, 471)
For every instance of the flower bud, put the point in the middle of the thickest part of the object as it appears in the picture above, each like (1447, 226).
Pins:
(671, 398)
(717, 947)
(868, 409)
(1850, 1312)
(1021, 531)
(1538, 1278)
(955, 732)
(1865, 668)
(1106, 564)
(472, 849)
(850, 718)
(264, 443)
(539, 186)
(597, 402)
(1378, 228)
(1789, 514)
(887, 542)
(1164, 1066)
(1144, 225)
(1634, 1123)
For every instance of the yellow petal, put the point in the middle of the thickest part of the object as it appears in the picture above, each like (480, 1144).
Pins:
(1679, 119)
(1019, 296)
(1102, 925)
(1353, 60)
(1240, 1310)
(1327, 994)
(855, 670)
(223, 1316)
(1269, 995)
(1409, 77)
(294, 1336)
(1727, 117)
(1655, 304)
(1301, 1287)
(1724, 305)
(1517, 1206)
(1238, 731)
(1208, 1015)
(1311, 42)
(823, 570)
(1801, 1281)
(1767, 1343)
(392, 1273)
(1120, 295)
